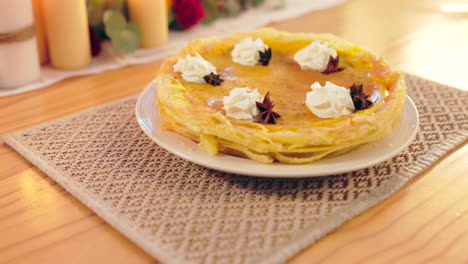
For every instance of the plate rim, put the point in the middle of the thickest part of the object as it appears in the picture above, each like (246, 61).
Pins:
(269, 174)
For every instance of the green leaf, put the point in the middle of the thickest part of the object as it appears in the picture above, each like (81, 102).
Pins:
(124, 36)
(126, 40)
(114, 22)
(211, 8)
(135, 29)
(232, 7)
(256, 2)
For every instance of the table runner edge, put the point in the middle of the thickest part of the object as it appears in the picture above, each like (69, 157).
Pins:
(87, 198)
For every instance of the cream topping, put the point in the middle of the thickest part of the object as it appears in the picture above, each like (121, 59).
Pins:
(241, 103)
(194, 68)
(315, 56)
(329, 101)
(246, 52)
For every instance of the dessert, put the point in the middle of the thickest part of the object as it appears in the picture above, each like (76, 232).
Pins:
(276, 96)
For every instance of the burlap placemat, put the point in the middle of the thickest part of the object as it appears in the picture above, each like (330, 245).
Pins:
(183, 213)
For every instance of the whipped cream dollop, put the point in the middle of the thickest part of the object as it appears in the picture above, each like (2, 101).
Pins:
(194, 68)
(240, 103)
(246, 51)
(329, 101)
(315, 56)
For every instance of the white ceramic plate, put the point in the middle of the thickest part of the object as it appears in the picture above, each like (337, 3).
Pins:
(362, 157)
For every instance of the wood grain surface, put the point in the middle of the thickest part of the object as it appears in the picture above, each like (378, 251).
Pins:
(426, 221)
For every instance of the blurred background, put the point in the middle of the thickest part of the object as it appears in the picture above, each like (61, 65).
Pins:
(45, 41)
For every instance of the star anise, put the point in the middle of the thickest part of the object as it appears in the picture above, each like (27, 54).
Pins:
(213, 79)
(267, 115)
(332, 65)
(360, 99)
(265, 57)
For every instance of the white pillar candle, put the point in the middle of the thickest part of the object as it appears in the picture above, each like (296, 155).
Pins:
(151, 18)
(19, 62)
(66, 24)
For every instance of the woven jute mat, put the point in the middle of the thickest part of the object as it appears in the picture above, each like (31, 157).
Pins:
(180, 212)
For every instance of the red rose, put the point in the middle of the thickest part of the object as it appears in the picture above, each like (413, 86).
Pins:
(188, 12)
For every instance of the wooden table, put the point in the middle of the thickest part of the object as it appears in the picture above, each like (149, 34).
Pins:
(426, 220)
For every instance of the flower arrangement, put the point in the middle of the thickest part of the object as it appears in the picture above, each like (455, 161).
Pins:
(185, 14)
(109, 19)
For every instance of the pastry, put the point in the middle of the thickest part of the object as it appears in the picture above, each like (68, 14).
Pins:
(274, 96)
